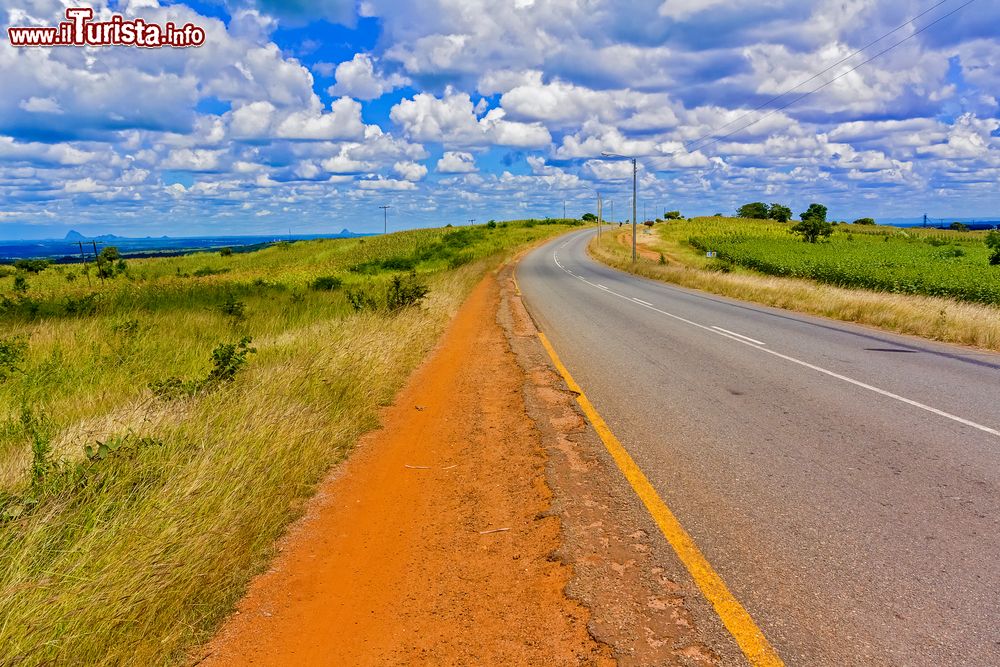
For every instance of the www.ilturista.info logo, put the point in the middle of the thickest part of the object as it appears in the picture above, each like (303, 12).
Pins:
(81, 30)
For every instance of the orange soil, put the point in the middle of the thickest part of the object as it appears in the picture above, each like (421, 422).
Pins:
(393, 563)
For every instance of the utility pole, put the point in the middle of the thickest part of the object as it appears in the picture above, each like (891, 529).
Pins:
(564, 209)
(925, 219)
(635, 193)
(472, 221)
(83, 256)
(599, 213)
(100, 273)
(385, 219)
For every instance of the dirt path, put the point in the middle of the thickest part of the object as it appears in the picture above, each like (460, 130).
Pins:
(396, 562)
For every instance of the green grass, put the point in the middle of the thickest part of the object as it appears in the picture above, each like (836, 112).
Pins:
(133, 553)
(911, 261)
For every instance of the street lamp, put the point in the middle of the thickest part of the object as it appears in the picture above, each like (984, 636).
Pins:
(635, 187)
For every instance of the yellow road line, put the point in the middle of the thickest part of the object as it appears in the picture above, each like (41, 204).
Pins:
(737, 620)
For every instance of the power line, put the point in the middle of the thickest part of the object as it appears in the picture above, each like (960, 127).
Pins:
(687, 145)
(836, 78)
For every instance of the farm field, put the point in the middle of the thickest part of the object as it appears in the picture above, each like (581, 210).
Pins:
(160, 428)
(936, 284)
(902, 261)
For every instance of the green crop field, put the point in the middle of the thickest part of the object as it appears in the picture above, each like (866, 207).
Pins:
(903, 261)
(160, 428)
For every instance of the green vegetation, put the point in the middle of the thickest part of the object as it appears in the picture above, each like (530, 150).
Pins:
(931, 262)
(675, 254)
(149, 456)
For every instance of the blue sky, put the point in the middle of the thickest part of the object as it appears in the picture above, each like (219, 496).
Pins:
(310, 115)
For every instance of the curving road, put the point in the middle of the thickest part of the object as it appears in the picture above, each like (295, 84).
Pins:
(843, 481)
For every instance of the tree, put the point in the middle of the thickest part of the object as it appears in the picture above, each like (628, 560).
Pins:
(672, 215)
(812, 229)
(779, 213)
(226, 252)
(993, 243)
(589, 217)
(756, 210)
(814, 212)
(958, 227)
(864, 221)
(31, 265)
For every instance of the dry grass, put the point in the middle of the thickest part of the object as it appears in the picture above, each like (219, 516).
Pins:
(138, 557)
(929, 317)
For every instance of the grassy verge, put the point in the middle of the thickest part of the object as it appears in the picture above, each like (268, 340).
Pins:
(131, 519)
(936, 318)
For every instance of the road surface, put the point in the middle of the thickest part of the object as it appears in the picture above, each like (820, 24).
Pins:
(843, 481)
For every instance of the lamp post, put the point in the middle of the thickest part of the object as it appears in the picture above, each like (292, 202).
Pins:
(599, 214)
(635, 188)
(385, 219)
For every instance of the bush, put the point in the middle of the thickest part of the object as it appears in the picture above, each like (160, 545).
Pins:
(672, 215)
(864, 221)
(993, 243)
(405, 292)
(6, 271)
(360, 299)
(492, 224)
(13, 351)
(235, 309)
(208, 271)
(226, 252)
(228, 359)
(20, 283)
(958, 227)
(326, 283)
(31, 265)
(84, 305)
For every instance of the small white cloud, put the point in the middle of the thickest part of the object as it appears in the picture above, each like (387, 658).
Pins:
(40, 105)
(358, 78)
(411, 171)
(456, 162)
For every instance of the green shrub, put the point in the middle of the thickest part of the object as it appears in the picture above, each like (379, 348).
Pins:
(361, 299)
(32, 265)
(6, 271)
(405, 292)
(20, 283)
(228, 359)
(209, 271)
(226, 252)
(12, 352)
(233, 308)
(326, 283)
(864, 221)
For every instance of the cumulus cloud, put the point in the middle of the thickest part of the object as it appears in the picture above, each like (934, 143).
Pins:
(456, 162)
(358, 78)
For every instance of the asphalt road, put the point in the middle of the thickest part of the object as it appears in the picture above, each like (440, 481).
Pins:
(843, 481)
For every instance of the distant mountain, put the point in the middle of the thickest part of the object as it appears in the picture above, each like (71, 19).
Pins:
(75, 237)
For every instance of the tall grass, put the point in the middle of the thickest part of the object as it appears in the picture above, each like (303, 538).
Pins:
(926, 316)
(132, 553)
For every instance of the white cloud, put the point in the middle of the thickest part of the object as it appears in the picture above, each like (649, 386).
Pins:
(452, 120)
(410, 171)
(358, 78)
(456, 162)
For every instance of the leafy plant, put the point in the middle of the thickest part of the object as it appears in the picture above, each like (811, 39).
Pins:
(226, 252)
(405, 292)
(779, 213)
(13, 351)
(228, 359)
(32, 265)
(326, 283)
(864, 221)
(812, 228)
(233, 308)
(360, 299)
(20, 283)
(755, 210)
(993, 243)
